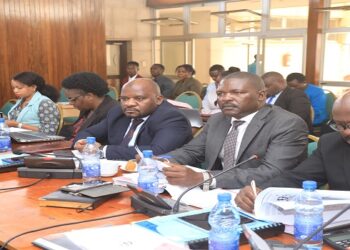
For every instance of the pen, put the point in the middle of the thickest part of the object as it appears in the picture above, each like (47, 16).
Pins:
(252, 184)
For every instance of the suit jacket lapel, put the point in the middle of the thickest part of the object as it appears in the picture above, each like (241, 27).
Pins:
(281, 97)
(253, 128)
(122, 127)
(346, 160)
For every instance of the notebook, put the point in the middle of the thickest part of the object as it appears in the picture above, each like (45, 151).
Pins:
(33, 136)
(193, 228)
(86, 199)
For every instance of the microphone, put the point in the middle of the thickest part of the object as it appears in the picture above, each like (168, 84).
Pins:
(176, 206)
(299, 245)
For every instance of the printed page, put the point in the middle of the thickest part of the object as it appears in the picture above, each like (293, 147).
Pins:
(278, 204)
(128, 237)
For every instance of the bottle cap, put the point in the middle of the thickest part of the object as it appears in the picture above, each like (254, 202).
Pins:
(90, 140)
(309, 185)
(2, 119)
(224, 196)
(147, 153)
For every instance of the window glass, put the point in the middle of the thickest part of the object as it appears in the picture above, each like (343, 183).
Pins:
(336, 65)
(112, 57)
(340, 16)
(229, 52)
(169, 22)
(242, 16)
(285, 14)
(202, 21)
(173, 54)
(284, 55)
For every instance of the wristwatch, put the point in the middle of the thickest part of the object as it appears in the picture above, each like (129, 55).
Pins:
(206, 185)
(102, 155)
(19, 125)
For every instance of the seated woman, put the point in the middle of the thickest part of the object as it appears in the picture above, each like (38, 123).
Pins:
(86, 91)
(186, 81)
(33, 111)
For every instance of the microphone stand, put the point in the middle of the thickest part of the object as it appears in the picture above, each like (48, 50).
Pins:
(177, 203)
(299, 245)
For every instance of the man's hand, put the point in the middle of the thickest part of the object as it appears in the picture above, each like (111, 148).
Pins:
(181, 175)
(245, 198)
(11, 123)
(79, 145)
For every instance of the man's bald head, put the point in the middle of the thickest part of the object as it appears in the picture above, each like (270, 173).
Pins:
(252, 79)
(274, 83)
(140, 97)
(341, 116)
(145, 83)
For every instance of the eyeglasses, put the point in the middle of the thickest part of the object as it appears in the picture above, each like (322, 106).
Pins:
(73, 99)
(338, 127)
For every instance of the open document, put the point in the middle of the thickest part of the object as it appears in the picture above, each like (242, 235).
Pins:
(278, 205)
(122, 237)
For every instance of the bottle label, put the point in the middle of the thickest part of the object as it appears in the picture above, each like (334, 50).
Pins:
(303, 227)
(228, 244)
(5, 143)
(149, 186)
(91, 169)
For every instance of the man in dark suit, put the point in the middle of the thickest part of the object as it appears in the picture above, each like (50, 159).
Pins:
(132, 69)
(292, 100)
(246, 126)
(329, 163)
(166, 85)
(86, 91)
(143, 119)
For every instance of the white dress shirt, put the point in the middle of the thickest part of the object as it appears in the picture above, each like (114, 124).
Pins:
(272, 99)
(209, 100)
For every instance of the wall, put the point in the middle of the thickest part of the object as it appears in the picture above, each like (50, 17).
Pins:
(53, 38)
(123, 23)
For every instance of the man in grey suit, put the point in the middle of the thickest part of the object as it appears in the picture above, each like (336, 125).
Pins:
(328, 164)
(246, 126)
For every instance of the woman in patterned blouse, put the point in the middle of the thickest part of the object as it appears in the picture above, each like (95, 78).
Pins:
(33, 111)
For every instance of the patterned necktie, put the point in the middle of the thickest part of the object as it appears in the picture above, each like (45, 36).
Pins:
(230, 145)
(127, 138)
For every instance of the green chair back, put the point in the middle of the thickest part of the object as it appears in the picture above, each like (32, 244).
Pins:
(113, 93)
(191, 98)
(62, 98)
(329, 102)
(311, 147)
(7, 106)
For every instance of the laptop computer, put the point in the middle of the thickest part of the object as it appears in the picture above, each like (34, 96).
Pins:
(33, 136)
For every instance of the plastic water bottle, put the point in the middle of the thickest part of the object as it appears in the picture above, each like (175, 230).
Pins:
(148, 170)
(162, 181)
(5, 139)
(224, 221)
(91, 162)
(308, 215)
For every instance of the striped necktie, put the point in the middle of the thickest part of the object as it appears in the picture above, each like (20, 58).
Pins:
(127, 138)
(230, 145)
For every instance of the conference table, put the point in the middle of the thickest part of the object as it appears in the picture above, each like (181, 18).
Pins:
(20, 211)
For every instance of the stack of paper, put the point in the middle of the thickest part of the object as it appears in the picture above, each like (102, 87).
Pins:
(278, 205)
